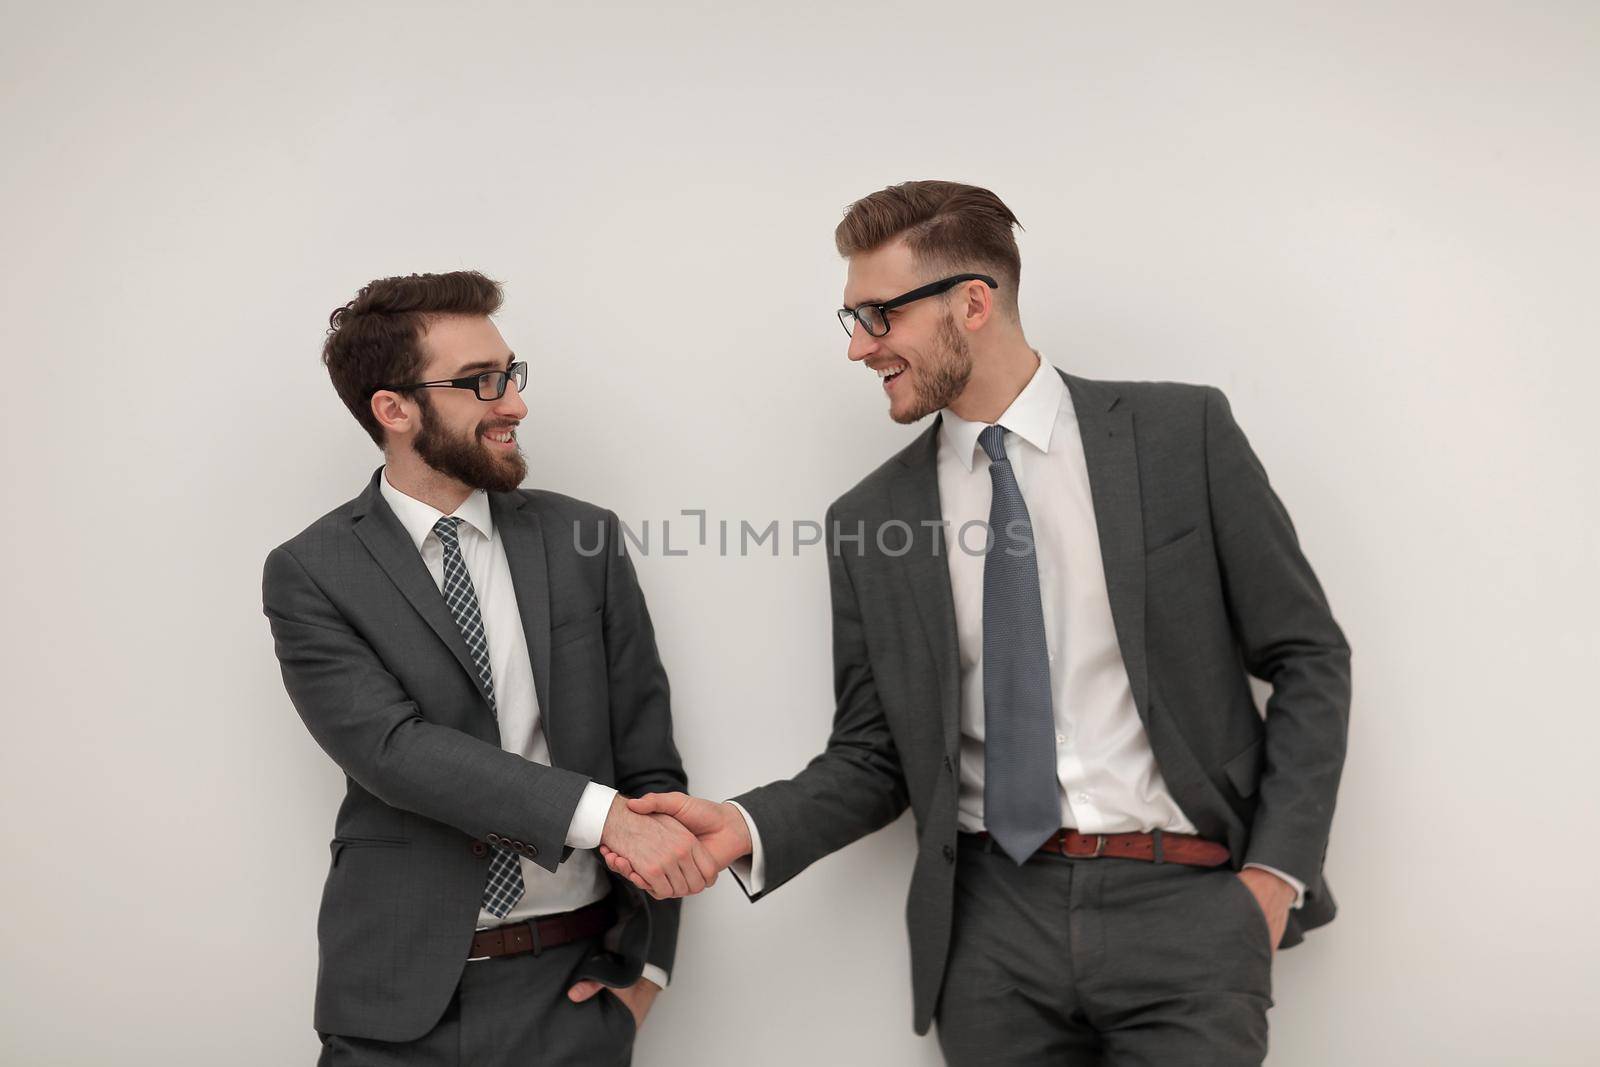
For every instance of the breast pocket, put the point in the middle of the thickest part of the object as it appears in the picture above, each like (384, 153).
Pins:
(1173, 548)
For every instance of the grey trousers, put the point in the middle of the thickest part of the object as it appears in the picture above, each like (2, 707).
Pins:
(1103, 961)
(511, 1010)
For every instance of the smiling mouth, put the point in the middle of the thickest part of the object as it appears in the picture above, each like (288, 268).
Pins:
(504, 439)
(887, 375)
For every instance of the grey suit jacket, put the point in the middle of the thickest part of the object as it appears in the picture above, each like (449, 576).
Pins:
(376, 666)
(1207, 583)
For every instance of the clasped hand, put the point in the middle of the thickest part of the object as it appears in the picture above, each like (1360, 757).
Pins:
(672, 844)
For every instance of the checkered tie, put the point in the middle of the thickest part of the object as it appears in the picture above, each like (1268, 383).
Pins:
(504, 887)
(1021, 807)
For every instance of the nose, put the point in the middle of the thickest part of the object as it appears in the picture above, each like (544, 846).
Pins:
(862, 344)
(511, 404)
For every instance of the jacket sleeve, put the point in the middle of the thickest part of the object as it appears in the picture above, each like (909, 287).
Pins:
(361, 716)
(647, 759)
(1288, 638)
(856, 785)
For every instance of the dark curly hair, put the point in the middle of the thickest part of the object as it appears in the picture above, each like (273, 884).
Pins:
(375, 339)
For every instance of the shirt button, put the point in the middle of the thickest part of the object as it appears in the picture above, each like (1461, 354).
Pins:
(1061, 739)
(1082, 798)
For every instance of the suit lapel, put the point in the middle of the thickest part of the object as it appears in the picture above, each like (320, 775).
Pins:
(523, 537)
(1111, 453)
(914, 500)
(379, 529)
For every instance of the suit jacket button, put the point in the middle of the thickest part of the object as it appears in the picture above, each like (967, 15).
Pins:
(493, 839)
(533, 850)
(949, 854)
(480, 849)
(947, 766)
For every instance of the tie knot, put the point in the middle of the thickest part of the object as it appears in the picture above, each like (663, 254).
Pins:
(993, 440)
(445, 528)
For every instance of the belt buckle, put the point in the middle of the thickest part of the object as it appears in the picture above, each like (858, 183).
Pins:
(1099, 848)
(479, 930)
(533, 938)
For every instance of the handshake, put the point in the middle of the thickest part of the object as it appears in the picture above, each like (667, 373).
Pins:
(671, 844)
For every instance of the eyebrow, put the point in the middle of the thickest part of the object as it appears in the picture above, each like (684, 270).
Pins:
(485, 364)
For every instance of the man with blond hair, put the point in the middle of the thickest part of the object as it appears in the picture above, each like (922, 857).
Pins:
(1045, 612)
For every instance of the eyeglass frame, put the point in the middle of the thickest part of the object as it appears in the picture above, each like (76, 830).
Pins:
(943, 285)
(518, 368)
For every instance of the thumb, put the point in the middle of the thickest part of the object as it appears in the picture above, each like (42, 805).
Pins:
(654, 802)
(583, 991)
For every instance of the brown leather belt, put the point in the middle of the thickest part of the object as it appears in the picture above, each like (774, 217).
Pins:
(536, 935)
(1157, 847)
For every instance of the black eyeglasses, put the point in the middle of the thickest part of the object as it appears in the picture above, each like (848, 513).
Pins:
(875, 317)
(490, 385)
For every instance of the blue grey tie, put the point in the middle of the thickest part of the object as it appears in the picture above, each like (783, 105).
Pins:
(1021, 805)
(504, 887)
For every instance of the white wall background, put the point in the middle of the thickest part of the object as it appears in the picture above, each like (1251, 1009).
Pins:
(1373, 224)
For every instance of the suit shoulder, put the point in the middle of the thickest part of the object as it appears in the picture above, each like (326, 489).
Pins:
(1160, 406)
(567, 509)
(560, 506)
(869, 493)
(308, 542)
(1157, 394)
(575, 531)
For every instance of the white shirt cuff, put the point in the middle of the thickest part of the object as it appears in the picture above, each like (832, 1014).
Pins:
(1299, 886)
(655, 974)
(751, 870)
(589, 820)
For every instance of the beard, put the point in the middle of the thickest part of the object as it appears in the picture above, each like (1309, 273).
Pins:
(467, 459)
(936, 384)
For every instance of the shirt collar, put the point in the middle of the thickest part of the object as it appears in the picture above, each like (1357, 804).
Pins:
(1031, 416)
(419, 518)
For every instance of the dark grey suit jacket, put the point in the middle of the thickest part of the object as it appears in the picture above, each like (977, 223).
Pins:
(376, 666)
(1207, 583)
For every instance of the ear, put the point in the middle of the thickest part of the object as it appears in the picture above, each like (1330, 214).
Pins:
(977, 305)
(394, 412)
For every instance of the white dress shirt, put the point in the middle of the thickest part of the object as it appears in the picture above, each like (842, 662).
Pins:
(1106, 773)
(582, 879)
